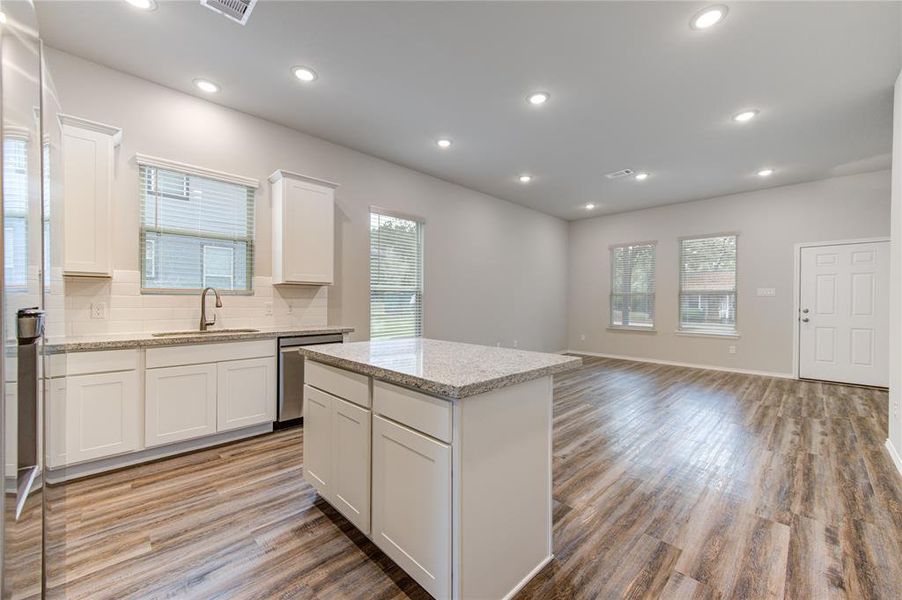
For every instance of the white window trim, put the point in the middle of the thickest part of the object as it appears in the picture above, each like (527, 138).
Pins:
(640, 328)
(700, 331)
(730, 335)
(173, 165)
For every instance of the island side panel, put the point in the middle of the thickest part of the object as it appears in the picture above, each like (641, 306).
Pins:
(502, 478)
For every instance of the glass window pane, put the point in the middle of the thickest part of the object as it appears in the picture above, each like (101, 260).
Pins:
(197, 232)
(396, 276)
(708, 284)
(633, 285)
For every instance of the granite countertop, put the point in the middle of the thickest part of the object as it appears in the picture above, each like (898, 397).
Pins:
(447, 369)
(122, 341)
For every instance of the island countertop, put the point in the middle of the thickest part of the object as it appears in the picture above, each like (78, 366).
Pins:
(448, 369)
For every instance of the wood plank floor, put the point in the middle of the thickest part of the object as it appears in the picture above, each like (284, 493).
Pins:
(668, 483)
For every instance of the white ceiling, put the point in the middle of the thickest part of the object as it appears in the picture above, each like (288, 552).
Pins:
(632, 86)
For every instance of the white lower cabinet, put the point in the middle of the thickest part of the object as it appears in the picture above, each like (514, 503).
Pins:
(246, 393)
(101, 417)
(351, 462)
(337, 453)
(318, 440)
(412, 503)
(179, 403)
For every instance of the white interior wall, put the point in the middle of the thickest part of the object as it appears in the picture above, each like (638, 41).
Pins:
(495, 272)
(769, 222)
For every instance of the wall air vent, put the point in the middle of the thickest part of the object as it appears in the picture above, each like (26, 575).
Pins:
(619, 174)
(236, 10)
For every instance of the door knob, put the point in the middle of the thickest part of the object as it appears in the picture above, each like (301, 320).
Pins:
(805, 320)
(804, 311)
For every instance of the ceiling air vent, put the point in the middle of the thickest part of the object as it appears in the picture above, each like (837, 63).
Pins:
(619, 174)
(237, 10)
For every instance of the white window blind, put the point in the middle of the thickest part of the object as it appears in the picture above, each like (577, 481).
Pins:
(396, 276)
(633, 285)
(15, 212)
(708, 284)
(195, 232)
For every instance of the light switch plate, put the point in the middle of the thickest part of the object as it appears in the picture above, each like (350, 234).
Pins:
(767, 292)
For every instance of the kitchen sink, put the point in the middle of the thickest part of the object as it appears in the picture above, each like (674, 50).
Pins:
(199, 332)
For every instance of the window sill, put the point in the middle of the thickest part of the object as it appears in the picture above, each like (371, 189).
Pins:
(733, 335)
(632, 329)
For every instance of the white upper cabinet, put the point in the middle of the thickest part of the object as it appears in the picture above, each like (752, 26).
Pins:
(302, 229)
(87, 155)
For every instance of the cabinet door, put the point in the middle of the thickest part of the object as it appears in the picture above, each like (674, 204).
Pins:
(246, 391)
(307, 232)
(351, 427)
(179, 403)
(56, 423)
(87, 185)
(412, 503)
(317, 457)
(101, 416)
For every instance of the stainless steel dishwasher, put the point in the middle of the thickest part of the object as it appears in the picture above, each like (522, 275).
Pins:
(291, 376)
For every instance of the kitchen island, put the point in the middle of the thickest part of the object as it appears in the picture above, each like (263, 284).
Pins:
(440, 452)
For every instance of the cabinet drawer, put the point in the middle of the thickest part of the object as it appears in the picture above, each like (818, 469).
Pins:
(423, 413)
(103, 361)
(195, 354)
(353, 387)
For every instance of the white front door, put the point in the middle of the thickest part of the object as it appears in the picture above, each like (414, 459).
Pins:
(844, 313)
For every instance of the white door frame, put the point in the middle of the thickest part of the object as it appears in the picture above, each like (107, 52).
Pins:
(797, 286)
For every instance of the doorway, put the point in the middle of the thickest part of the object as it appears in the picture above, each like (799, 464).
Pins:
(843, 312)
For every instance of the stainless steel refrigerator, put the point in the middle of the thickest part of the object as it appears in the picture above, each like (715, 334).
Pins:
(25, 247)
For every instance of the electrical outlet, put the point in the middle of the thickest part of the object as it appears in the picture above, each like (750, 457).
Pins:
(267, 309)
(732, 349)
(290, 308)
(767, 292)
(98, 310)
(582, 337)
(516, 344)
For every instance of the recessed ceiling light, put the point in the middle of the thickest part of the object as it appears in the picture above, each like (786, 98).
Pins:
(143, 4)
(590, 206)
(641, 176)
(746, 115)
(305, 74)
(708, 17)
(443, 143)
(537, 98)
(206, 86)
(765, 172)
(525, 178)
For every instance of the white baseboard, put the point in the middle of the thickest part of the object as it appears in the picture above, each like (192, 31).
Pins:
(674, 363)
(528, 577)
(894, 455)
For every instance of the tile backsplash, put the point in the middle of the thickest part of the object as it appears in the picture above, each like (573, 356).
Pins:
(99, 306)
